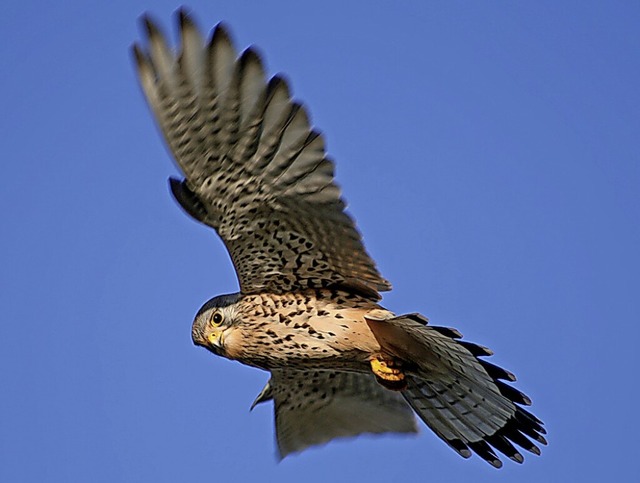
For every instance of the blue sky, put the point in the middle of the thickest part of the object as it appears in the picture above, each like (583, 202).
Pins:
(488, 150)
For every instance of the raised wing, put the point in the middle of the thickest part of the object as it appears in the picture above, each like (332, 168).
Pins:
(255, 170)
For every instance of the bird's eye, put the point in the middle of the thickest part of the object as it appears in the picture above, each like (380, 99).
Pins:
(217, 319)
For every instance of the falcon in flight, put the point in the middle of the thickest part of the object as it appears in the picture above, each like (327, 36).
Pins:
(307, 311)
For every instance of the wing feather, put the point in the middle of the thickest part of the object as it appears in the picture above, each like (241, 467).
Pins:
(314, 407)
(254, 168)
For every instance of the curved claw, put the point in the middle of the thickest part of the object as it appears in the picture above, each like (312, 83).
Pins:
(388, 372)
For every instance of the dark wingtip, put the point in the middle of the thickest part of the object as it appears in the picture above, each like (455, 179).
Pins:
(185, 20)
(249, 55)
(174, 183)
(183, 16)
(221, 33)
(136, 53)
(187, 199)
(277, 81)
(149, 25)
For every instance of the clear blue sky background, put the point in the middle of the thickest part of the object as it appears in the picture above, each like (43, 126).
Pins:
(489, 151)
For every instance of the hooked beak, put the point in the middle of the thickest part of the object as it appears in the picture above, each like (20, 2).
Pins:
(212, 342)
(215, 340)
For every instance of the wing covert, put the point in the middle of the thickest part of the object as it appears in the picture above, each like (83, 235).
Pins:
(254, 168)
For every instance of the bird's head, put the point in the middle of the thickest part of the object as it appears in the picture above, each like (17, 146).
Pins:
(213, 321)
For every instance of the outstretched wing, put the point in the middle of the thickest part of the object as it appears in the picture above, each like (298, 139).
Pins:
(313, 407)
(255, 170)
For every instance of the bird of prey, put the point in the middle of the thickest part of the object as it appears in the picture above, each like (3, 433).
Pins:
(308, 308)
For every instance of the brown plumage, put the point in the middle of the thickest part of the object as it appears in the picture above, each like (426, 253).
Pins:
(308, 310)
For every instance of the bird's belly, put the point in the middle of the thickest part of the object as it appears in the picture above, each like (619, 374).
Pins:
(322, 342)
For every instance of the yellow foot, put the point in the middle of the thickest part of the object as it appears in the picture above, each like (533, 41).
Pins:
(388, 372)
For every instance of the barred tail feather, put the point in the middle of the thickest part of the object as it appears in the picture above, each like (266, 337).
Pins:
(461, 397)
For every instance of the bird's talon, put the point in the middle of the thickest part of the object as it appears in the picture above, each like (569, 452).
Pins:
(388, 372)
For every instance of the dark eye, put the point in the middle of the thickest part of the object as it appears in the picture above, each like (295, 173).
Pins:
(217, 318)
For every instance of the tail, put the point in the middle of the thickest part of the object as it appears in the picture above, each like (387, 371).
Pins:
(458, 395)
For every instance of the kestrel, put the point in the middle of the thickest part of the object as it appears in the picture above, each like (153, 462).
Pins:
(307, 311)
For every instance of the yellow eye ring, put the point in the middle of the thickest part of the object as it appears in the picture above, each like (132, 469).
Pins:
(216, 319)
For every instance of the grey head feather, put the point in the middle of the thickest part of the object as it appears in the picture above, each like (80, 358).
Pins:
(219, 302)
(198, 328)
